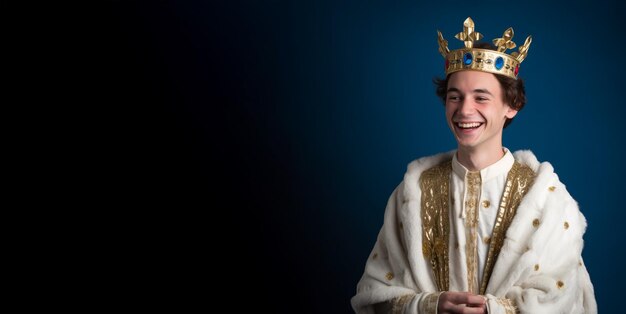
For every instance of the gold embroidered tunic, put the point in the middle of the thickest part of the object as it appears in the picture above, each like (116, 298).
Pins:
(474, 199)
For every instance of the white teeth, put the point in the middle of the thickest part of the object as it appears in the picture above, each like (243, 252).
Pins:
(468, 125)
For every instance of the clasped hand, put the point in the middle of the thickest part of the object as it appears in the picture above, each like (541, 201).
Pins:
(451, 302)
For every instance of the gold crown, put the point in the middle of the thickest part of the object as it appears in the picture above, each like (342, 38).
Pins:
(486, 60)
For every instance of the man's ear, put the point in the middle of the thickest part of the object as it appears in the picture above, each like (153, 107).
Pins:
(510, 112)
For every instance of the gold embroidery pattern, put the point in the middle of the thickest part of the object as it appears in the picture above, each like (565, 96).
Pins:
(434, 184)
(397, 304)
(508, 305)
(429, 303)
(471, 222)
(519, 180)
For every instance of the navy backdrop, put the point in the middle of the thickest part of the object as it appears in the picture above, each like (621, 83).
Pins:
(261, 139)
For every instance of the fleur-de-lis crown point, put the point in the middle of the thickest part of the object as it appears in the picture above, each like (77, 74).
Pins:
(506, 41)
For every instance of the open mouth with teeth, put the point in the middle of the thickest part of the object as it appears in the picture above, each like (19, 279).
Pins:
(468, 126)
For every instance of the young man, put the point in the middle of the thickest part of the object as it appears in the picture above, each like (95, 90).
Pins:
(479, 229)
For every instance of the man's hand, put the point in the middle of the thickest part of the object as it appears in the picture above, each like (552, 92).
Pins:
(451, 302)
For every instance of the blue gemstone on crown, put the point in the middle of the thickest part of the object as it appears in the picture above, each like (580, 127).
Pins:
(499, 63)
(467, 58)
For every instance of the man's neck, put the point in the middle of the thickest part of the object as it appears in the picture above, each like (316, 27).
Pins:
(479, 159)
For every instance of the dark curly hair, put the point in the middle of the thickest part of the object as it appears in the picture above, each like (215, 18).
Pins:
(513, 94)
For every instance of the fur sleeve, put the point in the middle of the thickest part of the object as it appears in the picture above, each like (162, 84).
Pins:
(396, 270)
(542, 255)
(387, 277)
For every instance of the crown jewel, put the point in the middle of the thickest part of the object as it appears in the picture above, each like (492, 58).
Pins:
(486, 60)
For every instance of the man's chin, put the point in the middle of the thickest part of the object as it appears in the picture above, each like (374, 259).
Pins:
(467, 142)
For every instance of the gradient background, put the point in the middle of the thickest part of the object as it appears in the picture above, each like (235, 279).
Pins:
(287, 125)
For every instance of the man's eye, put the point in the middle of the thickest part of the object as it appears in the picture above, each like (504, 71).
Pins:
(454, 98)
(481, 99)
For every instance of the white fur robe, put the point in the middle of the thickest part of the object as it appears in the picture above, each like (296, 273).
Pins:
(539, 268)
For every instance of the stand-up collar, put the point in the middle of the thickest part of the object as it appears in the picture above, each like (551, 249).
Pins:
(501, 166)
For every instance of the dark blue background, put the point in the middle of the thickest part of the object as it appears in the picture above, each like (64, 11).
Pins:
(287, 124)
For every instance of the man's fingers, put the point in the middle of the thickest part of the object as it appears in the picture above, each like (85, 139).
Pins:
(461, 302)
(466, 298)
(476, 300)
(462, 308)
(458, 297)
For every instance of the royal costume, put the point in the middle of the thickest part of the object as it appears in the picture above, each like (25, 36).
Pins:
(533, 262)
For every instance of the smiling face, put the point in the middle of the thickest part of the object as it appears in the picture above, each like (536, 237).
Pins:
(475, 110)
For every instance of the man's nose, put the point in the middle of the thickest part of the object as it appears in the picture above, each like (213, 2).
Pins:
(466, 106)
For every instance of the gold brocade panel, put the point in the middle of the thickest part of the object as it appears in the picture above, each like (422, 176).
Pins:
(435, 189)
